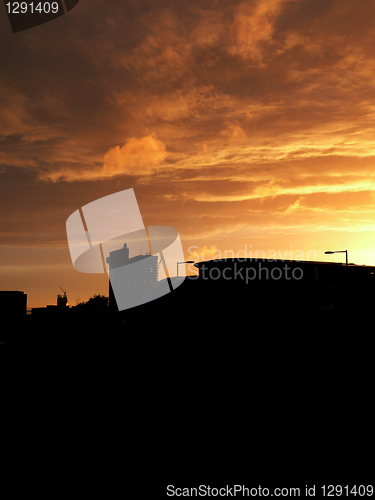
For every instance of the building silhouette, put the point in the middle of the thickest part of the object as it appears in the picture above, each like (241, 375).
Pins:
(277, 293)
(293, 289)
(13, 304)
(62, 300)
(129, 277)
(60, 307)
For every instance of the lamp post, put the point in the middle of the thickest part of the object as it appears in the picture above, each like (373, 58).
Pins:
(340, 251)
(187, 262)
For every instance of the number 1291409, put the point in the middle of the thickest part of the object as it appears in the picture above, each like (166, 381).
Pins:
(337, 491)
(39, 7)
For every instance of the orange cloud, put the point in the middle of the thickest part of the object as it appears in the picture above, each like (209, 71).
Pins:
(253, 27)
(233, 131)
(137, 157)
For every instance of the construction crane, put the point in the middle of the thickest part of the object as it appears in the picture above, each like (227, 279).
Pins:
(62, 300)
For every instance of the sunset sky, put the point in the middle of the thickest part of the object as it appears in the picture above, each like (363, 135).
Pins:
(245, 125)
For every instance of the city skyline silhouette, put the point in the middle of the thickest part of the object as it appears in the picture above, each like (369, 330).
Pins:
(316, 296)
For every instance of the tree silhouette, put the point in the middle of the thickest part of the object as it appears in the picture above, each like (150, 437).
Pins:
(97, 302)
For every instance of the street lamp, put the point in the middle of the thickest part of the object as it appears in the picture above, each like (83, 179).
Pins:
(187, 262)
(340, 251)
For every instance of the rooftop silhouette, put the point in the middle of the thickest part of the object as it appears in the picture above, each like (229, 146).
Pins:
(278, 293)
(130, 278)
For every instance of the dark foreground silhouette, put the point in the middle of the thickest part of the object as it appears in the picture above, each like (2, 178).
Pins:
(247, 299)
